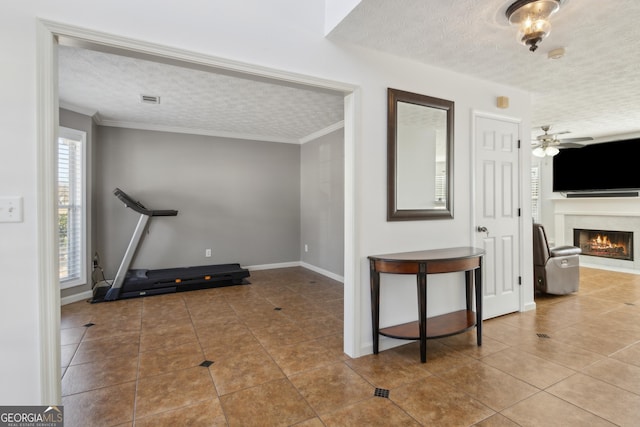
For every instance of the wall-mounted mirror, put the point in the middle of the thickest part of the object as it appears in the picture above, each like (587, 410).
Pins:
(419, 157)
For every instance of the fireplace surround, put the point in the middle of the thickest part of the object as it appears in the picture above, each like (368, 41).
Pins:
(614, 213)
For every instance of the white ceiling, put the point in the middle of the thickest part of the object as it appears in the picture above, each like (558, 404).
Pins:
(193, 99)
(593, 91)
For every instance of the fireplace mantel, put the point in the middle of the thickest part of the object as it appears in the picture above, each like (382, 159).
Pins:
(614, 213)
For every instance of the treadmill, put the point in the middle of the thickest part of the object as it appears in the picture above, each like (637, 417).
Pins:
(139, 283)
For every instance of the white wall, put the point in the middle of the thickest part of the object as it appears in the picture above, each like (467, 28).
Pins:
(280, 34)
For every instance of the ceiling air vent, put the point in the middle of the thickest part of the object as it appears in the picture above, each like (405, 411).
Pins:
(149, 99)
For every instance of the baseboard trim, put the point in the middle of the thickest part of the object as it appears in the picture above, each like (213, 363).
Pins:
(529, 306)
(272, 266)
(322, 271)
(308, 266)
(76, 297)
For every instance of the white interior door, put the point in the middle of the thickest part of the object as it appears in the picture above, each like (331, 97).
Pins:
(497, 220)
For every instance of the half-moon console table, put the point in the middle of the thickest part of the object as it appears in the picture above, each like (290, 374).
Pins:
(422, 263)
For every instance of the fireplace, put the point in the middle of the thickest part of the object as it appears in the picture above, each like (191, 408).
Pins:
(604, 243)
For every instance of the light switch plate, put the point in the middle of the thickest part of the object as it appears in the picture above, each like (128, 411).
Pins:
(10, 209)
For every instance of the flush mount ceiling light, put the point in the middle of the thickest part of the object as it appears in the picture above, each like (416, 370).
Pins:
(532, 18)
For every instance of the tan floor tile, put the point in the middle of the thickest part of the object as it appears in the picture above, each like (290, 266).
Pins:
(268, 318)
(629, 354)
(331, 387)
(497, 420)
(99, 374)
(313, 422)
(388, 370)
(434, 402)
(72, 335)
(304, 356)
(168, 320)
(126, 345)
(169, 359)
(505, 333)
(440, 357)
(607, 401)
(244, 371)
(152, 339)
(546, 410)
(107, 406)
(333, 345)
(490, 386)
(538, 372)
(179, 330)
(280, 335)
(276, 403)
(173, 390)
(112, 327)
(373, 412)
(204, 322)
(227, 346)
(73, 320)
(202, 414)
(467, 344)
(320, 326)
(605, 341)
(618, 373)
(66, 354)
(563, 354)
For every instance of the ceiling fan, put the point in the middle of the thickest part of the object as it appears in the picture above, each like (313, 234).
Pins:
(549, 144)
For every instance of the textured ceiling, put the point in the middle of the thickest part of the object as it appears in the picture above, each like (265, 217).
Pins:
(594, 90)
(192, 100)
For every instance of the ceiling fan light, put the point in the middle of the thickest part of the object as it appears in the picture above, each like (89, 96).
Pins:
(538, 152)
(551, 151)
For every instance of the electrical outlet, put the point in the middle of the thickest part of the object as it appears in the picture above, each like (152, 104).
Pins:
(207, 253)
(306, 248)
(10, 209)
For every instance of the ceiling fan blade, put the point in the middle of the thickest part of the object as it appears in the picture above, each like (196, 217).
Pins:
(571, 145)
(569, 140)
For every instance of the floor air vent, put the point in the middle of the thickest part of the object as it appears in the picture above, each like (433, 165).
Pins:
(543, 336)
(381, 392)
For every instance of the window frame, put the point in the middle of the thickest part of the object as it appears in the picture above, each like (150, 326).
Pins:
(535, 193)
(80, 137)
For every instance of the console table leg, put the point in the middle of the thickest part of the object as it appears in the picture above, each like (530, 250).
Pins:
(468, 282)
(422, 311)
(478, 286)
(375, 305)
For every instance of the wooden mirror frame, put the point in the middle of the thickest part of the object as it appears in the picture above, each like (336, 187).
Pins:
(393, 212)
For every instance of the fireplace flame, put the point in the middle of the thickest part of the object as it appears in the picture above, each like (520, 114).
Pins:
(603, 242)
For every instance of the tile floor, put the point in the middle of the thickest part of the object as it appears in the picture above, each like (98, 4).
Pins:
(276, 348)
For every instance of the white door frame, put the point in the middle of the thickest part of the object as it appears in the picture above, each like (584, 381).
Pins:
(47, 124)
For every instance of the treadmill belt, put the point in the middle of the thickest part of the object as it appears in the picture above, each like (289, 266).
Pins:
(185, 278)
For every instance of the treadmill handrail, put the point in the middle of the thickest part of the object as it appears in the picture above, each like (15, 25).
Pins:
(139, 207)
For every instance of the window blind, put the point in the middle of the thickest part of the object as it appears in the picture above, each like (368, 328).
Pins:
(70, 209)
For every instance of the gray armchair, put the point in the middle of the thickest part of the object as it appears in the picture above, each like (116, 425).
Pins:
(555, 270)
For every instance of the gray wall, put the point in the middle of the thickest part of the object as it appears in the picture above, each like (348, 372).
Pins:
(239, 198)
(84, 123)
(322, 202)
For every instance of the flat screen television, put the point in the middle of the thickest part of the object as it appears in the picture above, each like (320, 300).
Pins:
(607, 166)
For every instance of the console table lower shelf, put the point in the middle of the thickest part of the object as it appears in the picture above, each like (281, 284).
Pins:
(437, 326)
(420, 264)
